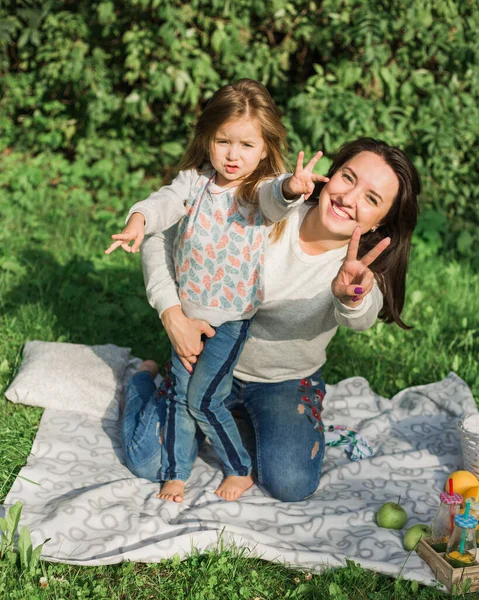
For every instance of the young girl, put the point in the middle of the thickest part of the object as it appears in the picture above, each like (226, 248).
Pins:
(227, 169)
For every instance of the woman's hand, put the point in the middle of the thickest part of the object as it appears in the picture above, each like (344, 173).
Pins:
(354, 279)
(303, 179)
(133, 232)
(185, 334)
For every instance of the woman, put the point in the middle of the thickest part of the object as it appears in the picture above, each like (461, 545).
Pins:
(341, 260)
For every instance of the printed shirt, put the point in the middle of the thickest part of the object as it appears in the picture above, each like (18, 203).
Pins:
(219, 254)
(216, 233)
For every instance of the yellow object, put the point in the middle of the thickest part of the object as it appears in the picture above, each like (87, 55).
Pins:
(472, 492)
(462, 481)
(463, 557)
(459, 560)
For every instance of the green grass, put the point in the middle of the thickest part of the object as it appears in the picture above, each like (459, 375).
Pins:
(56, 285)
(222, 574)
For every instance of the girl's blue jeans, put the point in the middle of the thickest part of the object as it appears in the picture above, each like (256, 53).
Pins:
(202, 395)
(286, 418)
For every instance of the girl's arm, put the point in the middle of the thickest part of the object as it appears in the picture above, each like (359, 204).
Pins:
(273, 203)
(157, 213)
(278, 197)
(164, 208)
(159, 275)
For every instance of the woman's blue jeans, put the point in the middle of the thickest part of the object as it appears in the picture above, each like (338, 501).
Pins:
(286, 418)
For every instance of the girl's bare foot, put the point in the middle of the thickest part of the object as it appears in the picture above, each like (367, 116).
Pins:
(172, 490)
(233, 486)
(150, 366)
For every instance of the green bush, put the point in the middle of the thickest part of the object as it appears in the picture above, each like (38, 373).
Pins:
(117, 85)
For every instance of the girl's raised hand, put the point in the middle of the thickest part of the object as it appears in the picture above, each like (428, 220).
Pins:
(303, 179)
(133, 232)
(354, 279)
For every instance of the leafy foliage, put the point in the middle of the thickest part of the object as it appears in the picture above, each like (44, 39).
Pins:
(118, 85)
(29, 556)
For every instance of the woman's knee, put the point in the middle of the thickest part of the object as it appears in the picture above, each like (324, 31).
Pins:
(291, 485)
(149, 469)
(142, 459)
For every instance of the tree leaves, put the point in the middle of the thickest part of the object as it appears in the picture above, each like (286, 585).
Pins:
(129, 81)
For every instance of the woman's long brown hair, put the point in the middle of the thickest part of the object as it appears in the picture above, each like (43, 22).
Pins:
(391, 266)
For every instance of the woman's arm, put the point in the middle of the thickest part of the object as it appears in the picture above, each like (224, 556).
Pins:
(356, 296)
(161, 290)
(159, 270)
(364, 315)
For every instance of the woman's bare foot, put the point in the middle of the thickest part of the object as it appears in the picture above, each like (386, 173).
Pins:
(146, 365)
(233, 486)
(150, 366)
(172, 490)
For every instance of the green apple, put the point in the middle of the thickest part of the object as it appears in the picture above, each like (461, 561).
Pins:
(391, 516)
(414, 534)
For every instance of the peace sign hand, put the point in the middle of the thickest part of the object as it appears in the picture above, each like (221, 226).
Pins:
(303, 179)
(354, 279)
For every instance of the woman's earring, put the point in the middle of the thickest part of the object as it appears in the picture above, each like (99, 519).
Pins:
(373, 229)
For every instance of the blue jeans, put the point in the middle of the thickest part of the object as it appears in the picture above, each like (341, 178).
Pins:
(202, 395)
(286, 418)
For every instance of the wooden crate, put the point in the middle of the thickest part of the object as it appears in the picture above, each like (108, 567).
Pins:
(444, 572)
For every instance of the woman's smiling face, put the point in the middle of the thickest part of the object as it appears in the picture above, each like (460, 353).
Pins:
(361, 192)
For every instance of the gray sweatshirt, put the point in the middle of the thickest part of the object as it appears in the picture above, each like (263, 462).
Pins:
(299, 314)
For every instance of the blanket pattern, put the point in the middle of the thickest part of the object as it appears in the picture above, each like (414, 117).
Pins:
(77, 491)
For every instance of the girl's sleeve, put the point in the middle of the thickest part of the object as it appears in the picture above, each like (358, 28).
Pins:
(164, 208)
(159, 270)
(273, 205)
(361, 317)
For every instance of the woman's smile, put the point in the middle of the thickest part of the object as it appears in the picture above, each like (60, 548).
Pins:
(339, 212)
(361, 192)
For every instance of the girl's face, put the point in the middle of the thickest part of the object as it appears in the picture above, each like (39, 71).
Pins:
(236, 151)
(361, 192)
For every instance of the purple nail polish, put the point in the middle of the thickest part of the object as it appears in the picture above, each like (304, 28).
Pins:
(355, 298)
(358, 290)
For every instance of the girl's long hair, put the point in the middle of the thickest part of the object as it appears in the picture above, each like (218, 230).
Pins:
(245, 98)
(391, 266)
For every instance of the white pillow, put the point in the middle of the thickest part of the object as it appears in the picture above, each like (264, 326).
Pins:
(76, 377)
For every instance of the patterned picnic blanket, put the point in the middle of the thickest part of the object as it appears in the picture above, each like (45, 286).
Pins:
(77, 491)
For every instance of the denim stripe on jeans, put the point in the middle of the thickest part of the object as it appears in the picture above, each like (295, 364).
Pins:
(201, 395)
